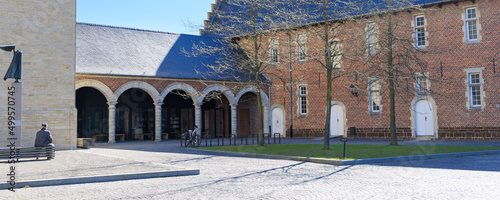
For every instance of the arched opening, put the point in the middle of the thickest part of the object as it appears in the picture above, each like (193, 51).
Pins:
(135, 115)
(92, 121)
(177, 113)
(216, 115)
(248, 119)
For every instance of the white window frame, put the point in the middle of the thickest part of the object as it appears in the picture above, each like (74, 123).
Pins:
(301, 47)
(422, 80)
(472, 26)
(475, 93)
(302, 99)
(372, 38)
(373, 91)
(273, 51)
(420, 33)
(475, 89)
(471, 21)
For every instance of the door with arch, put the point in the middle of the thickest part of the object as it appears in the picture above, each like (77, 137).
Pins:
(337, 121)
(424, 123)
(278, 121)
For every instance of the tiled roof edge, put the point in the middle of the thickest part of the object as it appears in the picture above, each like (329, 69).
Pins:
(127, 28)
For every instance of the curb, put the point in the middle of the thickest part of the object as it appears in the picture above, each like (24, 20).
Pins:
(363, 161)
(97, 179)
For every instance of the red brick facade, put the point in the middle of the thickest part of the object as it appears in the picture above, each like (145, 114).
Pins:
(449, 59)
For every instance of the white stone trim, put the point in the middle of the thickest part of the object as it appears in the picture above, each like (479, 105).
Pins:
(103, 88)
(155, 95)
(216, 88)
(180, 86)
(464, 27)
(467, 91)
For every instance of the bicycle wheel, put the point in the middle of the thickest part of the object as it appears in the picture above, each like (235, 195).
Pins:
(196, 141)
(187, 139)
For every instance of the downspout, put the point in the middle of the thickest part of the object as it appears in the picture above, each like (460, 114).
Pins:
(290, 70)
(270, 111)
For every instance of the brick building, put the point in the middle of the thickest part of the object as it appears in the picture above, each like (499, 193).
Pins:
(145, 85)
(452, 95)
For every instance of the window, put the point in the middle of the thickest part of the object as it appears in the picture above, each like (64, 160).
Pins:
(375, 97)
(336, 54)
(475, 89)
(422, 85)
(420, 31)
(471, 24)
(302, 99)
(273, 51)
(372, 38)
(301, 47)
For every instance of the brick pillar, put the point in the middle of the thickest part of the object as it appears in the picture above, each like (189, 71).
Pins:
(158, 122)
(111, 121)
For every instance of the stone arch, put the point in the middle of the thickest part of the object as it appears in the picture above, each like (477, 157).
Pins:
(434, 115)
(103, 88)
(180, 86)
(263, 95)
(219, 88)
(155, 95)
(265, 99)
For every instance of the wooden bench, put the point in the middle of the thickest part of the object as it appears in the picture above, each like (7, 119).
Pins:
(28, 152)
(97, 136)
(122, 136)
(149, 135)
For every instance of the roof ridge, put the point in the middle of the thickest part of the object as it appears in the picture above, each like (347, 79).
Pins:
(127, 28)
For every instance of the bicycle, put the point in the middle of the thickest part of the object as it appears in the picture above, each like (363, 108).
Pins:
(191, 138)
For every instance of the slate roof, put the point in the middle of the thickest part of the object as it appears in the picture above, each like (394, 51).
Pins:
(238, 7)
(107, 50)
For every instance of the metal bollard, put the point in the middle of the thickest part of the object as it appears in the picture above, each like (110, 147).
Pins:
(343, 140)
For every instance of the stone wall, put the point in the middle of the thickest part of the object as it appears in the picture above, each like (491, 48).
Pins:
(45, 32)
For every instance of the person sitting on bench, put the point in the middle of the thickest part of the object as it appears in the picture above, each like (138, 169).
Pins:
(43, 137)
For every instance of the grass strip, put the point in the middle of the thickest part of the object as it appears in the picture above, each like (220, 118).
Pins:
(355, 151)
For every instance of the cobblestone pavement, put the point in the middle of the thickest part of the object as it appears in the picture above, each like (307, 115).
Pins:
(224, 176)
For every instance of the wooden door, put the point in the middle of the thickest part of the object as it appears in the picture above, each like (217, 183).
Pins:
(243, 122)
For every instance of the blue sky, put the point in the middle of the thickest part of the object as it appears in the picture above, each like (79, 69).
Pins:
(159, 15)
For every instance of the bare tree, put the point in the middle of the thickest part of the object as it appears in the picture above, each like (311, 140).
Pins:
(241, 28)
(394, 54)
(331, 21)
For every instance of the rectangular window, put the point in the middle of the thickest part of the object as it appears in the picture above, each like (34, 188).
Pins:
(375, 97)
(336, 54)
(303, 99)
(475, 89)
(422, 84)
(301, 47)
(471, 24)
(372, 38)
(419, 31)
(273, 51)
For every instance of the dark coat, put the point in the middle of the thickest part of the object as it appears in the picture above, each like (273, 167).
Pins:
(43, 138)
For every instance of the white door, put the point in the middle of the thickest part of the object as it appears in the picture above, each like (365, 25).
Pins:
(337, 121)
(278, 125)
(423, 117)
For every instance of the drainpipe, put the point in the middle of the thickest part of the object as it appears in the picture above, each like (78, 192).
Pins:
(290, 70)
(270, 111)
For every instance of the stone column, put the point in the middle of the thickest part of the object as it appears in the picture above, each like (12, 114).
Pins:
(111, 121)
(234, 120)
(266, 119)
(197, 117)
(158, 122)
